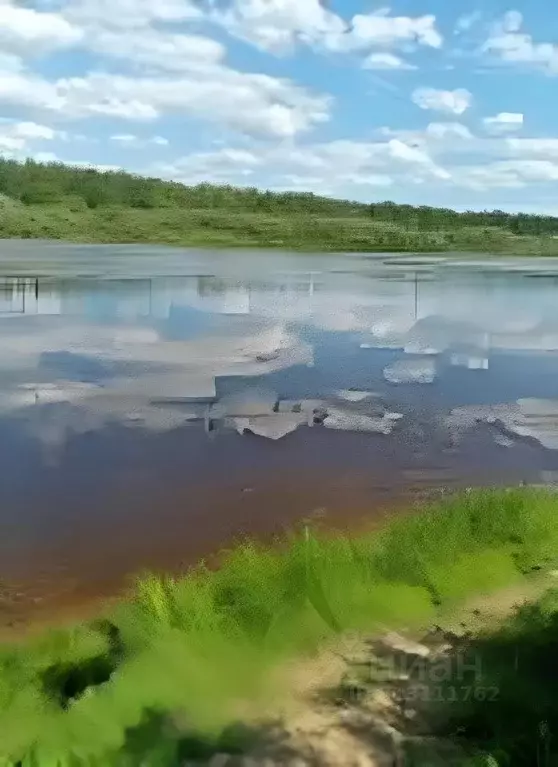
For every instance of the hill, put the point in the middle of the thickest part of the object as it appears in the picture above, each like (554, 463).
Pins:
(83, 204)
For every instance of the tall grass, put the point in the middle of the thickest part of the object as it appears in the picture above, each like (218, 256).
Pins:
(161, 678)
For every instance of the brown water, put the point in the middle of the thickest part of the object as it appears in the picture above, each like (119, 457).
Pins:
(127, 375)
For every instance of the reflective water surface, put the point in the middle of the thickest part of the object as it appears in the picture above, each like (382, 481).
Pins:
(156, 404)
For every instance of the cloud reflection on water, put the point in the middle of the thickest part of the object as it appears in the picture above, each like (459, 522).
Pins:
(123, 350)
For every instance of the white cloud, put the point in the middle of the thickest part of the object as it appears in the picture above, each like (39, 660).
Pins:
(507, 44)
(29, 31)
(30, 130)
(534, 170)
(547, 147)
(401, 151)
(453, 102)
(159, 50)
(335, 165)
(252, 103)
(129, 14)
(436, 136)
(506, 173)
(16, 136)
(400, 158)
(160, 70)
(124, 138)
(220, 166)
(382, 29)
(28, 90)
(278, 25)
(135, 142)
(385, 61)
(45, 157)
(504, 122)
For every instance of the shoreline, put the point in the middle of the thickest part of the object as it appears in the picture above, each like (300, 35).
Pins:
(233, 230)
(202, 649)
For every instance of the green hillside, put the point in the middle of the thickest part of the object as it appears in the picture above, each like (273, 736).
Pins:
(82, 204)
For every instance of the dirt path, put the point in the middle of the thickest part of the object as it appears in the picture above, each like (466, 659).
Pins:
(334, 710)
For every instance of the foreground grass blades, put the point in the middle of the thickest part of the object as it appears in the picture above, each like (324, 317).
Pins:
(162, 678)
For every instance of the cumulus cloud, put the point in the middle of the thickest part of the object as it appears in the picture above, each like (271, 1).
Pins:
(129, 14)
(433, 155)
(333, 165)
(156, 70)
(453, 102)
(30, 31)
(159, 71)
(504, 122)
(151, 48)
(278, 25)
(507, 44)
(381, 28)
(253, 103)
(17, 136)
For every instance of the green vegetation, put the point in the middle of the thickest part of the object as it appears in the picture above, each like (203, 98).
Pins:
(61, 202)
(511, 712)
(160, 680)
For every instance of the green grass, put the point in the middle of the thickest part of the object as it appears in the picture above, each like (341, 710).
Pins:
(230, 228)
(160, 678)
(58, 201)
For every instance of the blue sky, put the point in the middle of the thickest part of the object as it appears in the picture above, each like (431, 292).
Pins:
(422, 102)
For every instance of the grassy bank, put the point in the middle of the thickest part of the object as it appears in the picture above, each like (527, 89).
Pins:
(159, 681)
(83, 205)
(229, 229)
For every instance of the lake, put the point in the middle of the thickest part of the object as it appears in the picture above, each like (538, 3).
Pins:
(157, 404)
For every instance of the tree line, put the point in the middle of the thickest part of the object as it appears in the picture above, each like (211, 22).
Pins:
(430, 219)
(34, 183)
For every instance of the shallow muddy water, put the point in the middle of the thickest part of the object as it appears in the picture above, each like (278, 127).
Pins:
(156, 404)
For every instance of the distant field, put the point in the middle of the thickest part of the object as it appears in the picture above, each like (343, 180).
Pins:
(230, 228)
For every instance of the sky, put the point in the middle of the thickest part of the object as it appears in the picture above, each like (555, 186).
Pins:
(423, 101)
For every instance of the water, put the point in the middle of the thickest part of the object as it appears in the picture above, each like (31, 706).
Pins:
(157, 404)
